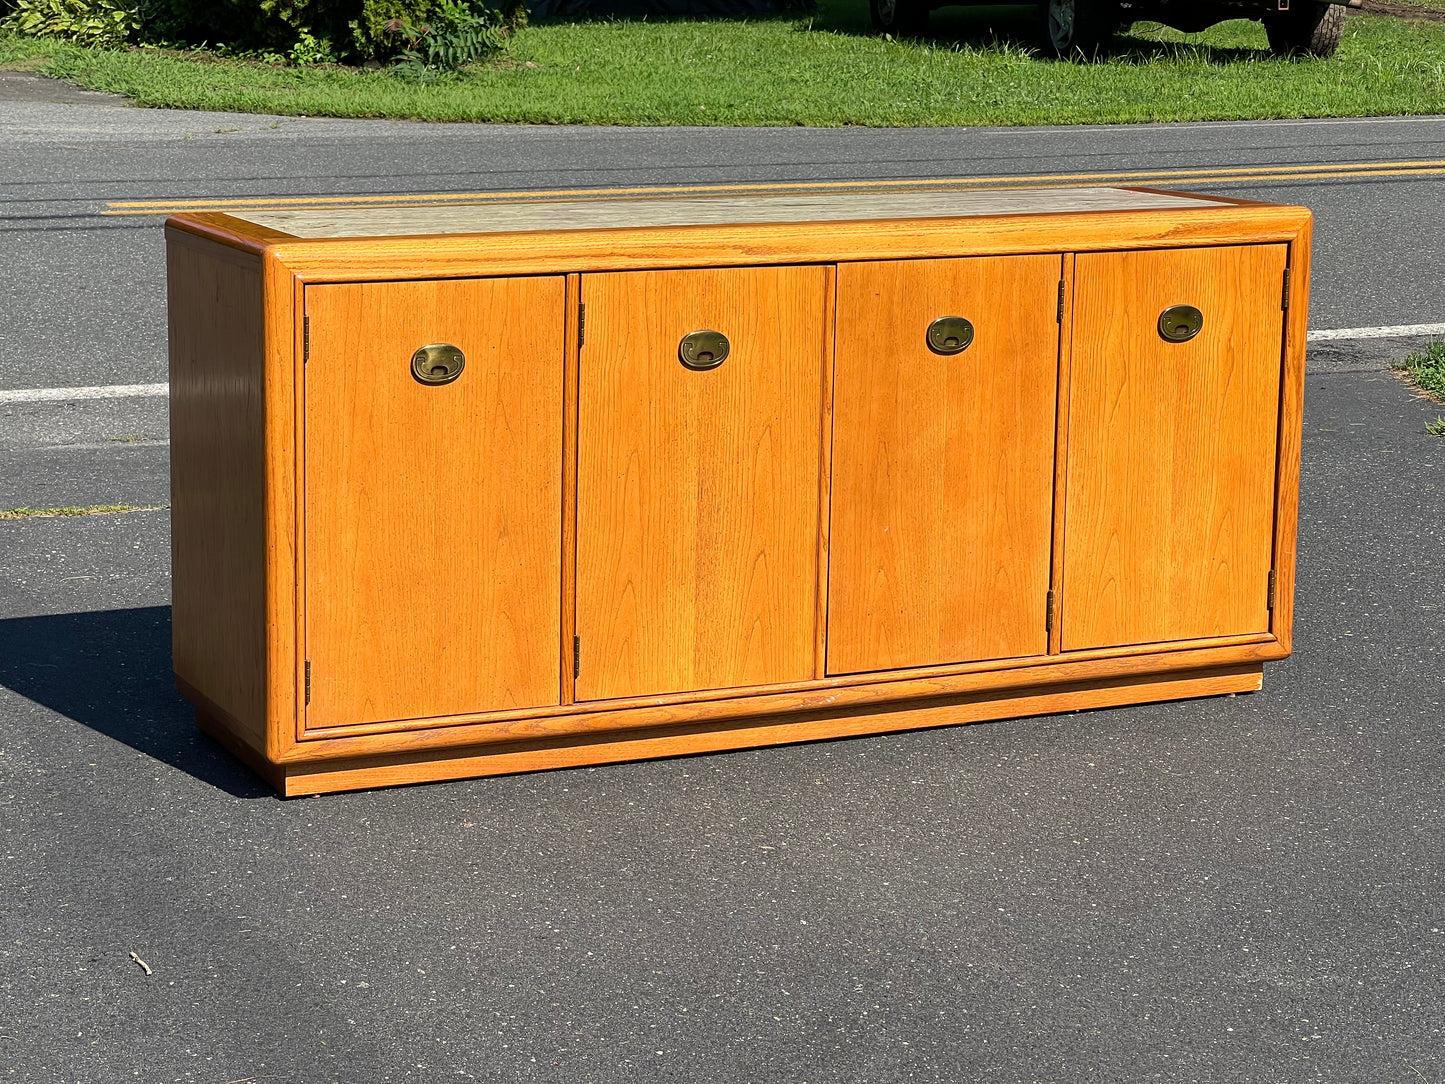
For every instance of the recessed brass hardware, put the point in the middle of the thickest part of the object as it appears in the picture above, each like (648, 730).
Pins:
(1180, 323)
(439, 363)
(703, 350)
(950, 335)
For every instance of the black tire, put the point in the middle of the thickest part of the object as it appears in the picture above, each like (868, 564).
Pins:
(901, 18)
(1077, 27)
(1306, 29)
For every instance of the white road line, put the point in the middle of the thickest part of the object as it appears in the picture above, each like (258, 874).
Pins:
(105, 391)
(1395, 331)
(136, 391)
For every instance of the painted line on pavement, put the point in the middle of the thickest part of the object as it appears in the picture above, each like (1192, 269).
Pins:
(136, 391)
(65, 395)
(1218, 175)
(1393, 332)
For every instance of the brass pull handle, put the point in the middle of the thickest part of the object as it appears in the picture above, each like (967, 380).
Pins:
(950, 335)
(703, 350)
(1180, 323)
(439, 363)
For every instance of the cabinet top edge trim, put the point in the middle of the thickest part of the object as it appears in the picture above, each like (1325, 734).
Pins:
(584, 251)
(504, 213)
(791, 221)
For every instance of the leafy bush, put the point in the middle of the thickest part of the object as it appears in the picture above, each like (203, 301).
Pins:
(457, 35)
(426, 36)
(376, 26)
(107, 24)
(309, 50)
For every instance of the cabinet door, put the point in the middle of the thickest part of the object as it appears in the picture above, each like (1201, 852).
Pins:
(942, 464)
(1172, 446)
(433, 512)
(697, 491)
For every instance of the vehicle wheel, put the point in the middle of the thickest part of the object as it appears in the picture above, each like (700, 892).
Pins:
(1071, 27)
(1306, 29)
(901, 18)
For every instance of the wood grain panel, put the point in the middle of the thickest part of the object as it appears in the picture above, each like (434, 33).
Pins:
(433, 514)
(569, 487)
(286, 493)
(383, 771)
(1291, 425)
(1061, 452)
(1171, 471)
(218, 479)
(727, 706)
(697, 492)
(942, 466)
(768, 700)
(825, 472)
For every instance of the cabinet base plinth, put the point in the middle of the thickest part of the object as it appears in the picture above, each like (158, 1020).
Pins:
(297, 777)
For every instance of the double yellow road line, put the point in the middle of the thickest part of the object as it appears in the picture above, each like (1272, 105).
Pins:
(1335, 171)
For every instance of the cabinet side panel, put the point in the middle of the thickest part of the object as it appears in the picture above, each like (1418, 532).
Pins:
(218, 546)
(1171, 472)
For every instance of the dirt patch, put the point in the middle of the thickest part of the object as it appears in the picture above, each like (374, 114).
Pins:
(1403, 11)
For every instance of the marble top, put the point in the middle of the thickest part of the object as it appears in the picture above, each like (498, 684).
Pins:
(504, 215)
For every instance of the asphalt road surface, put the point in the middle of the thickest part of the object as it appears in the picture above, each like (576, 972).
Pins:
(1240, 889)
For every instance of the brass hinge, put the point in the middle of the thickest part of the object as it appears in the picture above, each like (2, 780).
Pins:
(1059, 316)
(1049, 612)
(581, 325)
(308, 681)
(305, 339)
(1284, 299)
(576, 656)
(1270, 599)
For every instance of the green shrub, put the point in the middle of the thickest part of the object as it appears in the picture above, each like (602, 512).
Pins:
(106, 24)
(376, 26)
(330, 22)
(426, 36)
(458, 34)
(309, 50)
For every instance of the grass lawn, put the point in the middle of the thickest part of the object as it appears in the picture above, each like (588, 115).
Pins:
(1426, 370)
(976, 68)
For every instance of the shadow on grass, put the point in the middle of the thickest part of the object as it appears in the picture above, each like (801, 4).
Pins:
(111, 671)
(1001, 26)
(1009, 28)
(1134, 49)
(1016, 29)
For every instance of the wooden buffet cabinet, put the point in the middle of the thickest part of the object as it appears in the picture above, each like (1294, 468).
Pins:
(474, 489)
